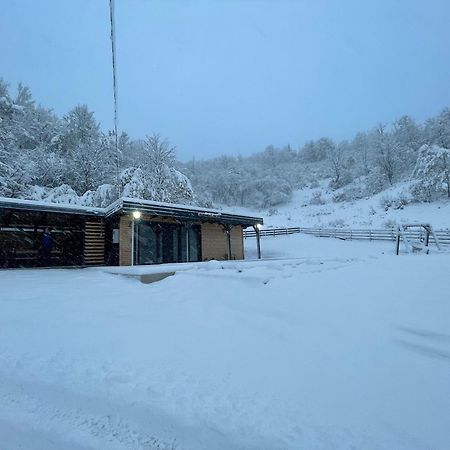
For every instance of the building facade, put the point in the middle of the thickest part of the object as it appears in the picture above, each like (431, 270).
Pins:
(128, 232)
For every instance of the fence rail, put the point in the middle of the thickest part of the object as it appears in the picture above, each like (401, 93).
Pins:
(387, 234)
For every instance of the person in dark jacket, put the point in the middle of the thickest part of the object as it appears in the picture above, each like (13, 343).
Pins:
(46, 247)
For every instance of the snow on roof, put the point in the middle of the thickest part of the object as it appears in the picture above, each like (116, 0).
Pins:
(179, 210)
(114, 207)
(19, 203)
(175, 205)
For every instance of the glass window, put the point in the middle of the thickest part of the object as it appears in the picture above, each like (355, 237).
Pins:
(194, 239)
(147, 244)
(157, 243)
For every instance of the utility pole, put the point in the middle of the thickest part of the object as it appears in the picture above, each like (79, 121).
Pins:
(113, 50)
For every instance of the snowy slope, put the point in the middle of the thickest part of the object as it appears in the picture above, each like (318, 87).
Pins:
(365, 213)
(346, 346)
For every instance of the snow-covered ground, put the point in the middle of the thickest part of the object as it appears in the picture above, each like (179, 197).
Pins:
(343, 345)
(365, 213)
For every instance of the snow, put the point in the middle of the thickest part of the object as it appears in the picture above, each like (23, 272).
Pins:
(364, 213)
(116, 205)
(138, 201)
(48, 204)
(333, 345)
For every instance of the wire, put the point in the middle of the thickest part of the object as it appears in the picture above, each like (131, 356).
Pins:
(113, 50)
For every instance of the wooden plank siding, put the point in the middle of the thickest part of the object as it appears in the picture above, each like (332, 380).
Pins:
(237, 242)
(214, 242)
(125, 241)
(94, 243)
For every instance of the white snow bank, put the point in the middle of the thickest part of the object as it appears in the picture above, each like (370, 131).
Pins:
(344, 348)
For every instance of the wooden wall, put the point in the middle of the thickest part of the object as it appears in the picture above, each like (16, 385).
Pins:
(237, 242)
(214, 242)
(94, 243)
(125, 241)
(213, 237)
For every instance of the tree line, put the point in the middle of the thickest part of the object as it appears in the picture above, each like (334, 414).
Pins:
(360, 167)
(70, 159)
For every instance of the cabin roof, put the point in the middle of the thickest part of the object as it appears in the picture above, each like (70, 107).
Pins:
(182, 212)
(127, 205)
(35, 205)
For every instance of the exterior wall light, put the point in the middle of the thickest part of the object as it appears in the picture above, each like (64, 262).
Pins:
(136, 214)
(259, 226)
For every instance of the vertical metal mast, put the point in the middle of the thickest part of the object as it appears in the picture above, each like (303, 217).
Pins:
(113, 49)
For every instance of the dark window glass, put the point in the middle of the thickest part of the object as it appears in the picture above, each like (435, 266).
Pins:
(146, 244)
(157, 243)
(194, 243)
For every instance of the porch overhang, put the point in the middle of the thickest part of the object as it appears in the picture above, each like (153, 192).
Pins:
(180, 212)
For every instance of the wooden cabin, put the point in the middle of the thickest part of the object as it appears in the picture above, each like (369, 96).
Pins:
(128, 232)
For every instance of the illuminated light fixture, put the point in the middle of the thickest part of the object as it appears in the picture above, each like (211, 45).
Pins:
(136, 214)
(259, 226)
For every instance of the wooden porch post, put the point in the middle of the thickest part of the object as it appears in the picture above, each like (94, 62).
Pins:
(132, 242)
(397, 241)
(227, 229)
(258, 241)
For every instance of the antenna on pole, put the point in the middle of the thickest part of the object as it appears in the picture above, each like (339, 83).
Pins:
(113, 50)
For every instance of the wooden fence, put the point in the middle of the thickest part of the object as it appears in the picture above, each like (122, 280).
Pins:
(387, 234)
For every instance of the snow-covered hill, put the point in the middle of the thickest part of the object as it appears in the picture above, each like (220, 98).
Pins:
(309, 209)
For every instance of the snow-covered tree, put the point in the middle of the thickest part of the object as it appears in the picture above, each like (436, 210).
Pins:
(386, 153)
(407, 139)
(437, 129)
(336, 157)
(14, 175)
(72, 159)
(86, 149)
(164, 183)
(314, 151)
(432, 173)
(360, 148)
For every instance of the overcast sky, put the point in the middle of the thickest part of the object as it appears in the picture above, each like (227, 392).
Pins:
(233, 76)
